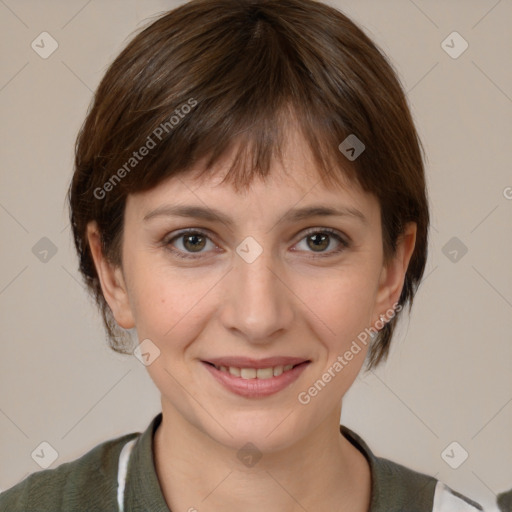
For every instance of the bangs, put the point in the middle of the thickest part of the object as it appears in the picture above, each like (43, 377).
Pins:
(252, 148)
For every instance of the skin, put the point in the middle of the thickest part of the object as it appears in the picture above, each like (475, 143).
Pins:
(285, 303)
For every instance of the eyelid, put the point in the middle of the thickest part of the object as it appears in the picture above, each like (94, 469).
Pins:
(332, 231)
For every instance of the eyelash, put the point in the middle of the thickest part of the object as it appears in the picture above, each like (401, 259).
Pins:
(344, 244)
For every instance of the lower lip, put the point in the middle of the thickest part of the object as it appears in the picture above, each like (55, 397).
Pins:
(256, 388)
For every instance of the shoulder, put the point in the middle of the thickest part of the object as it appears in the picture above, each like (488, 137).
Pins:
(420, 492)
(87, 483)
(397, 487)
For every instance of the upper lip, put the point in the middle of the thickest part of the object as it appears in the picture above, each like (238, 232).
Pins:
(247, 362)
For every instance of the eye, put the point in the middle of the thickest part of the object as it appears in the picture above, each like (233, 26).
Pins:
(193, 241)
(318, 239)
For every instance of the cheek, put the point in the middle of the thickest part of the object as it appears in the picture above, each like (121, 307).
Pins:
(341, 301)
(168, 305)
(341, 311)
(339, 315)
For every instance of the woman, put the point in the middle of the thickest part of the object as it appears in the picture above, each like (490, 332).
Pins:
(249, 197)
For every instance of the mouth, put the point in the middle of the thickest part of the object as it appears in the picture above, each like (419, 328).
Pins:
(252, 372)
(255, 378)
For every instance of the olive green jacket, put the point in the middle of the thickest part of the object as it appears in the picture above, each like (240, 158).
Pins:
(119, 475)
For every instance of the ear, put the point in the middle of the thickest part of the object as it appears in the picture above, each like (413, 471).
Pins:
(111, 280)
(392, 276)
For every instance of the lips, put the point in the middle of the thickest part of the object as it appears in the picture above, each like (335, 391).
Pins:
(256, 378)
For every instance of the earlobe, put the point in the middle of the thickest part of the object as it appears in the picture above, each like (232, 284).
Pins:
(393, 274)
(111, 280)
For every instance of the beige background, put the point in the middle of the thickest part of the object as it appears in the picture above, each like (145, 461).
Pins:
(449, 375)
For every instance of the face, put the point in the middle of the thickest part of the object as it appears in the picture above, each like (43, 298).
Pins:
(257, 282)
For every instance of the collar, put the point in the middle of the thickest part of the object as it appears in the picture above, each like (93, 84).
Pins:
(143, 491)
(393, 486)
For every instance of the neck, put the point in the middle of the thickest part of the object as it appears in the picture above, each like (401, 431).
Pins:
(323, 471)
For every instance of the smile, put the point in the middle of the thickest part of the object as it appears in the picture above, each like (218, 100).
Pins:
(251, 382)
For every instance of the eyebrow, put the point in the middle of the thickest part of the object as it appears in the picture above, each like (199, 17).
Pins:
(293, 215)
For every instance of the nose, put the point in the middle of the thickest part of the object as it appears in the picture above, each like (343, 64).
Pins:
(258, 304)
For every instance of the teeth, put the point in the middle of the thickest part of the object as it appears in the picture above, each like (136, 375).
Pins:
(248, 373)
(264, 373)
(253, 373)
(234, 371)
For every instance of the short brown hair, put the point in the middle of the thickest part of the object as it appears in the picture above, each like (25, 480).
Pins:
(244, 69)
